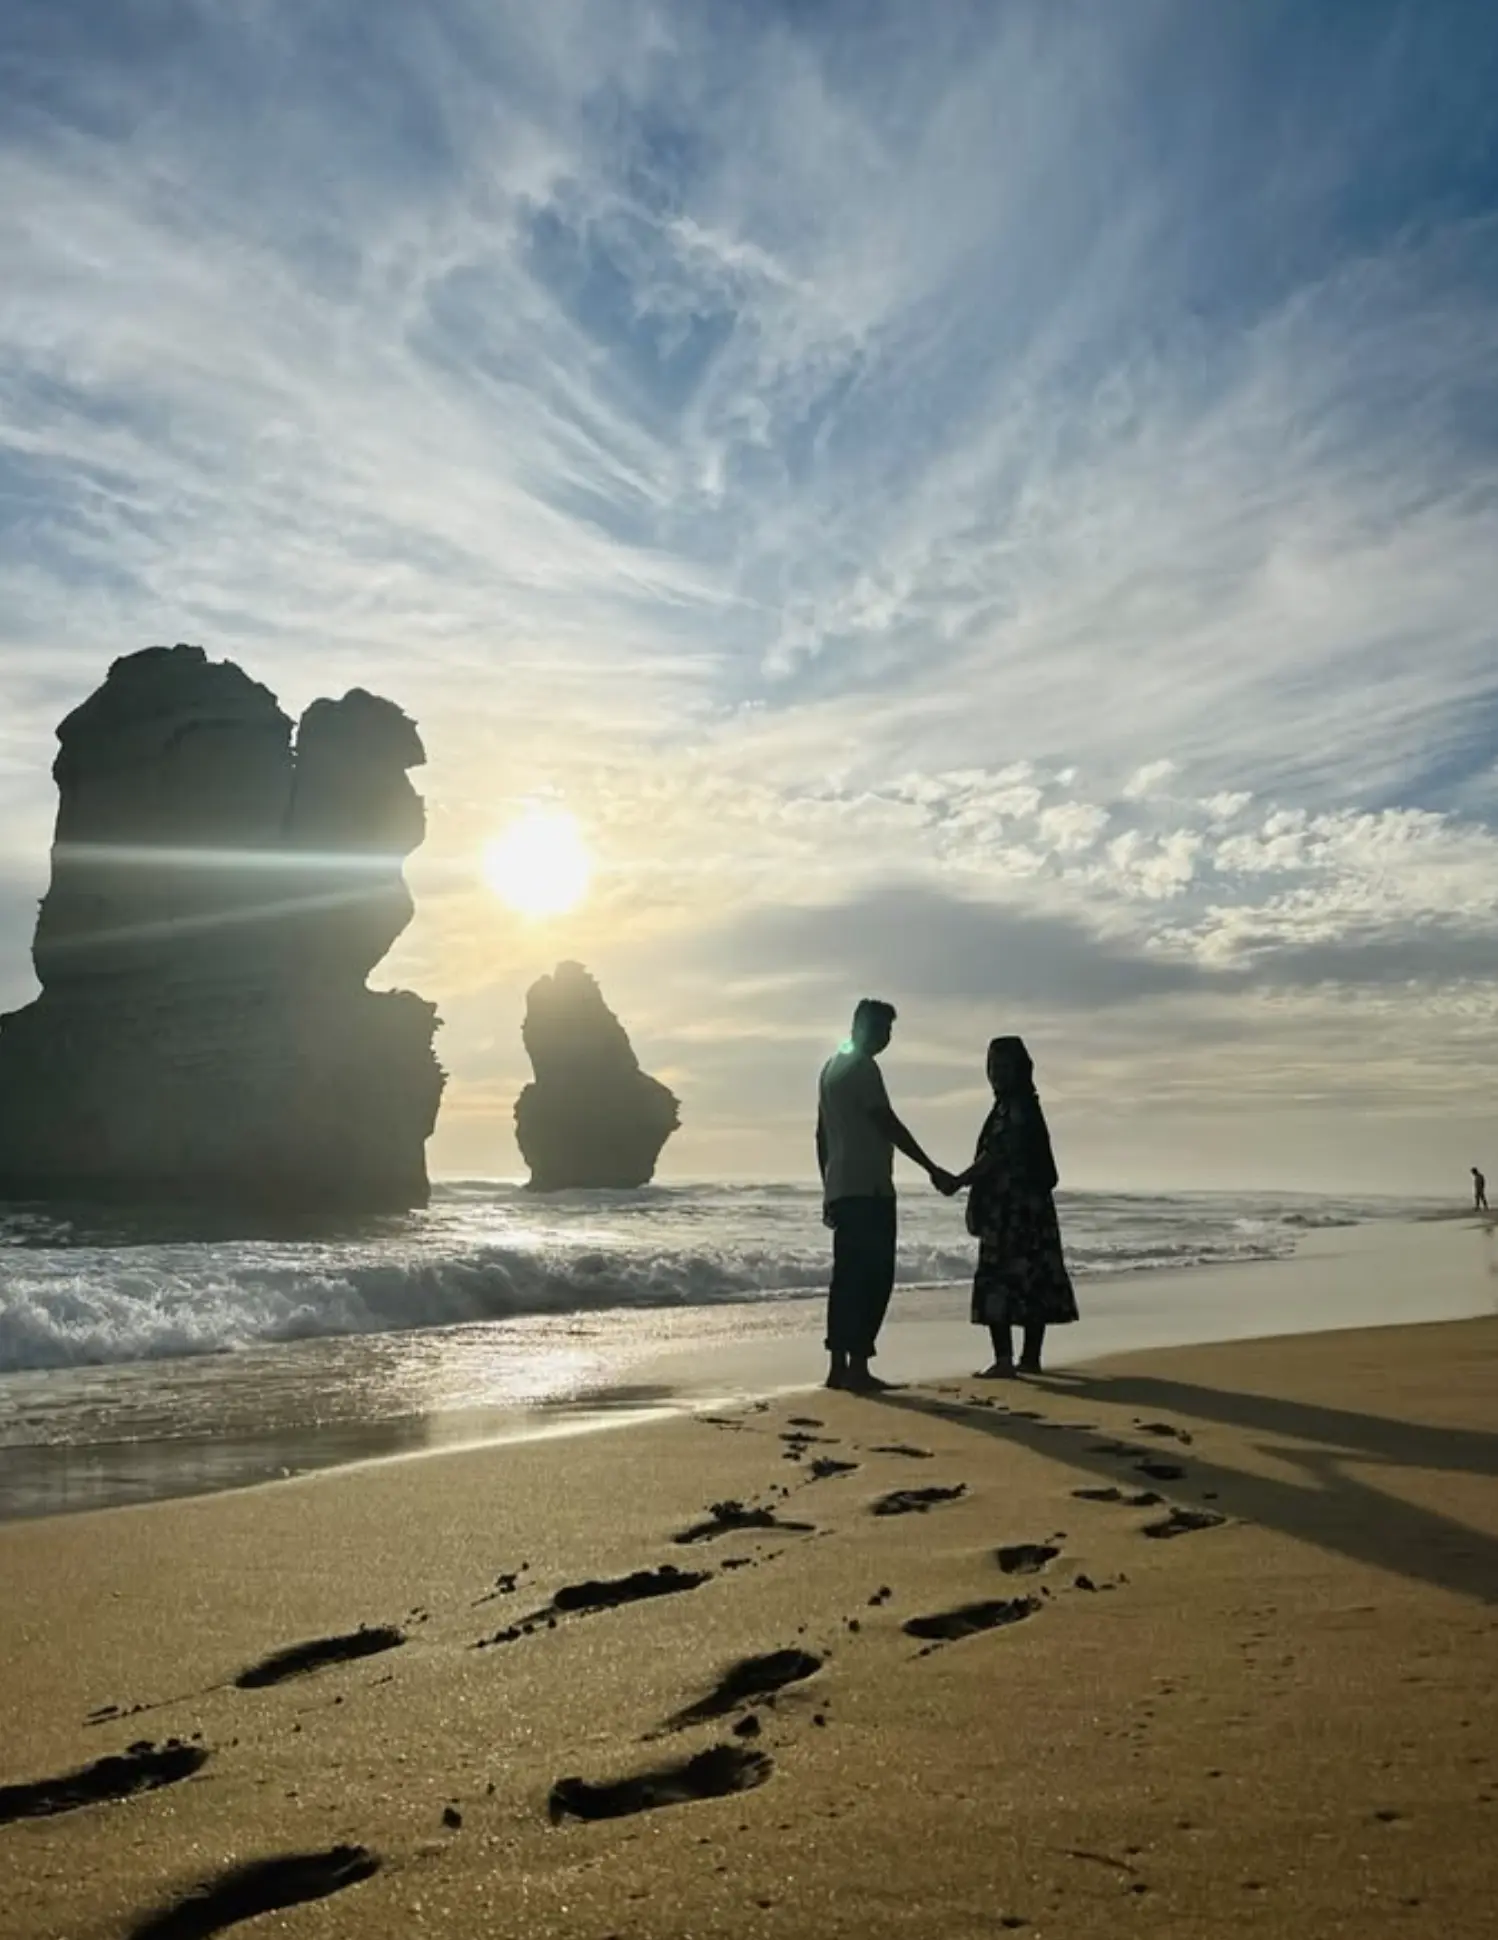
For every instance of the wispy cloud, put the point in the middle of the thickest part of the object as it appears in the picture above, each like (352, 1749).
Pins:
(998, 455)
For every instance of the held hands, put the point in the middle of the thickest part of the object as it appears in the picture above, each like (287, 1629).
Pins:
(944, 1181)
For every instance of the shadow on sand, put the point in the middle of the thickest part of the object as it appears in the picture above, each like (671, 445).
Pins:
(1334, 1506)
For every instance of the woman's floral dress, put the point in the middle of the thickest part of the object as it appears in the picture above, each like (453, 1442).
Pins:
(1021, 1279)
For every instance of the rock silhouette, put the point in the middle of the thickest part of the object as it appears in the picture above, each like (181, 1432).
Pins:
(591, 1117)
(219, 893)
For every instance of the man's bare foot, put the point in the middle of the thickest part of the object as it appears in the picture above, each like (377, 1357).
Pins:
(863, 1381)
(1000, 1371)
(837, 1374)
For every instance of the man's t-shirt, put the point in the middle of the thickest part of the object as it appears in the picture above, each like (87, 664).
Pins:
(860, 1157)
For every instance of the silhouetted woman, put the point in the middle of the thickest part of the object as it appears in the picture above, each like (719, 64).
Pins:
(1021, 1279)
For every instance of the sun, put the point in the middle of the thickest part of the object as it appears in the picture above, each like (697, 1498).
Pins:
(540, 865)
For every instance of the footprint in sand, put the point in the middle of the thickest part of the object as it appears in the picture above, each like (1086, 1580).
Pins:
(1161, 1471)
(1026, 1559)
(713, 1774)
(262, 1886)
(903, 1448)
(970, 1619)
(143, 1768)
(1138, 1499)
(600, 1593)
(297, 1660)
(722, 1517)
(1163, 1428)
(915, 1502)
(608, 1593)
(1181, 1522)
(826, 1465)
(748, 1682)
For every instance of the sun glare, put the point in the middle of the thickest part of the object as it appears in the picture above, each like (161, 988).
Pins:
(540, 865)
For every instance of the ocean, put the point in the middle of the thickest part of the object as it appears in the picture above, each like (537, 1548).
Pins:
(131, 1342)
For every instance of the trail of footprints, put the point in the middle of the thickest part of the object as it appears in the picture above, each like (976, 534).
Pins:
(720, 1770)
(724, 1768)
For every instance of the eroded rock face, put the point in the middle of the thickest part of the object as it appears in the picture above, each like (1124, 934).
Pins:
(591, 1117)
(219, 894)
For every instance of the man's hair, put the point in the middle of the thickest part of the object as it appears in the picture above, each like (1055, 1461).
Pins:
(872, 1011)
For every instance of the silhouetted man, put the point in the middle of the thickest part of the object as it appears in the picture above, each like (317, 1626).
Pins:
(858, 1135)
(1479, 1191)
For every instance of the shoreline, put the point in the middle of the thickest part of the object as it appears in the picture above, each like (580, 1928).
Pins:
(1006, 1709)
(1378, 1273)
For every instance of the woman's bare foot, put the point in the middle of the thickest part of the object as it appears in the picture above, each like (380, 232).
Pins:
(1000, 1371)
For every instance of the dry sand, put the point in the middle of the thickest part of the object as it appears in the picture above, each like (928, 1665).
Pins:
(1284, 1722)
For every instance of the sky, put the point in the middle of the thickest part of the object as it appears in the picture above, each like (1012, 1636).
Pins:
(990, 505)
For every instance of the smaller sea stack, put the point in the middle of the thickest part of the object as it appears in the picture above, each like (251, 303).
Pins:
(591, 1117)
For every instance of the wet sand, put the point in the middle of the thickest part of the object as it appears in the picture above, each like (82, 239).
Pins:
(949, 1667)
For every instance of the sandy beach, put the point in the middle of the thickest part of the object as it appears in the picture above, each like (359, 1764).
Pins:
(1194, 1641)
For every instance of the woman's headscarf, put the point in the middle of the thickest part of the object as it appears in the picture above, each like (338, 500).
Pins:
(1010, 1053)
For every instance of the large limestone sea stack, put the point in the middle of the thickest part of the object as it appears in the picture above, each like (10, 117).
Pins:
(592, 1117)
(219, 895)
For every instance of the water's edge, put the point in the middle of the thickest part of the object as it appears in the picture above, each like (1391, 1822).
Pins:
(616, 1371)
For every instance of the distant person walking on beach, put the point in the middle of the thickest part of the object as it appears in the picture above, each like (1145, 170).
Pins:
(1021, 1280)
(858, 1135)
(1479, 1191)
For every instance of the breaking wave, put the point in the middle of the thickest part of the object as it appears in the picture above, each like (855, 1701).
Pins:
(76, 1294)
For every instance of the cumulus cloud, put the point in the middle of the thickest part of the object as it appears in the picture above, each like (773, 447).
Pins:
(1148, 780)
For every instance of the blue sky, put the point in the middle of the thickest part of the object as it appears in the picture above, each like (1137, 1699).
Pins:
(992, 504)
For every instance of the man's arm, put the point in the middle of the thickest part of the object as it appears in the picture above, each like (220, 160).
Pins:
(904, 1140)
(827, 1217)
